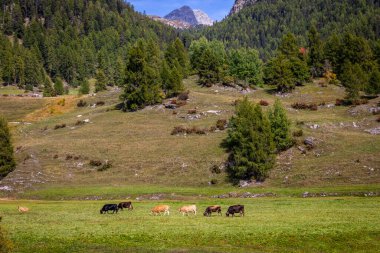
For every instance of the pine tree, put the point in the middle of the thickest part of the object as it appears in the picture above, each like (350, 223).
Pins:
(280, 127)
(374, 83)
(250, 143)
(101, 81)
(352, 78)
(48, 88)
(316, 60)
(58, 87)
(7, 161)
(84, 87)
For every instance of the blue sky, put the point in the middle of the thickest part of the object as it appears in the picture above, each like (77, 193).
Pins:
(216, 9)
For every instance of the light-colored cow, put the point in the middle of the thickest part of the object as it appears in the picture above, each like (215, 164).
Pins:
(22, 209)
(188, 209)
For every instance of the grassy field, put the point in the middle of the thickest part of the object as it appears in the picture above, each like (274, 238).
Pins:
(344, 224)
(143, 152)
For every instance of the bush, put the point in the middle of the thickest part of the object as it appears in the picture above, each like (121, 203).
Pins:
(264, 103)
(215, 169)
(349, 102)
(62, 102)
(184, 96)
(105, 166)
(188, 130)
(95, 163)
(378, 119)
(221, 124)
(59, 126)
(81, 103)
(298, 133)
(304, 106)
(192, 111)
(100, 103)
(80, 122)
(213, 181)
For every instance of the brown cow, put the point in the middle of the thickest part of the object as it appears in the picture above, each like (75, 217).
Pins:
(127, 205)
(212, 209)
(160, 209)
(188, 209)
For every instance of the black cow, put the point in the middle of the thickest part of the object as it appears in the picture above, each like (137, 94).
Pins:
(109, 207)
(127, 205)
(209, 210)
(235, 209)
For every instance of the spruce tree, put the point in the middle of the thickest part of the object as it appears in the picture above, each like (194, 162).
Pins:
(280, 127)
(101, 81)
(374, 83)
(48, 88)
(316, 60)
(84, 87)
(58, 87)
(250, 143)
(7, 161)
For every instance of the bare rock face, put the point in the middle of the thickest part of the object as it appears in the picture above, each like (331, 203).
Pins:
(189, 16)
(240, 4)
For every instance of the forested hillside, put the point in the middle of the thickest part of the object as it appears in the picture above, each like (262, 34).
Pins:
(48, 40)
(262, 24)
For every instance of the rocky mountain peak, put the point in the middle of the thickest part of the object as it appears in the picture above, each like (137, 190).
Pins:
(240, 4)
(190, 16)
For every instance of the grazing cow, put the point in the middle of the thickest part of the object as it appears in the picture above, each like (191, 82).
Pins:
(160, 209)
(23, 209)
(212, 209)
(127, 205)
(109, 207)
(188, 209)
(235, 209)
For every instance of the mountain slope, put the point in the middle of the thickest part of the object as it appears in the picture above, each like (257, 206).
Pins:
(188, 15)
(240, 4)
(262, 24)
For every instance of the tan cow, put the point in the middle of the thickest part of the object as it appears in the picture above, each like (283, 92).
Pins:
(188, 209)
(23, 209)
(161, 209)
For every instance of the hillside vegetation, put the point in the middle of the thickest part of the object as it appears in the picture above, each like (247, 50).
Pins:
(142, 150)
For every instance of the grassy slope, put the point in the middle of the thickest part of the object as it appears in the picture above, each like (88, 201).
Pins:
(270, 225)
(143, 151)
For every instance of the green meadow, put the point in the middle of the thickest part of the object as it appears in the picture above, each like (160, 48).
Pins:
(342, 224)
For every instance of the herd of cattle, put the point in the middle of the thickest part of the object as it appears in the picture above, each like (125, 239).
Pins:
(165, 209)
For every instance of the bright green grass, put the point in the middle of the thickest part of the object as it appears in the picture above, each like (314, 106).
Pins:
(271, 225)
(88, 191)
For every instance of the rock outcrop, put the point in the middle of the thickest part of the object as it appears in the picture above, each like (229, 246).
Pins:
(240, 4)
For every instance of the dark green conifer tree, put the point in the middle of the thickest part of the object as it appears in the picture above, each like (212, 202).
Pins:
(58, 87)
(7, 161)
(250, 143)
(101, 81)
(84, 87)
(280, 127)
(48, 88)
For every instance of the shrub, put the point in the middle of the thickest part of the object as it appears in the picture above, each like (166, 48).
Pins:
(192, 111)
(55, 156)
(62, 102)
(213, 181)
(221, 124)
(188, 130)
(81, 103)
(80, 122)
(105, 166)
(59, 126)
(212, 129)
(178, 130)
(69, 157)
(100, 103)
(264, 103)
(95, 163)
(184, 96)
(298, 133)
(181, 103)
(215, 169)
(378, 119)
(304, 106)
